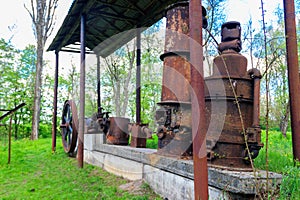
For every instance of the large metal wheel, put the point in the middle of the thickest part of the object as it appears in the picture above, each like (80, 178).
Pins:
(69, 126)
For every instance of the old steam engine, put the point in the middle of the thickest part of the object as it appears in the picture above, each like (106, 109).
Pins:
(231, 97)
(231, 102)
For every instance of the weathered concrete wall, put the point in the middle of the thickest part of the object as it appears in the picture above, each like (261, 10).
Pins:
(170, 177)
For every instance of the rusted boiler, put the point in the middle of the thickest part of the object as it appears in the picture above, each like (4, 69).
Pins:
(231, 97)
(174, 115)
(232, 105)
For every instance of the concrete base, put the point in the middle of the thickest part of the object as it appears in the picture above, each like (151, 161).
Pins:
(173, 178)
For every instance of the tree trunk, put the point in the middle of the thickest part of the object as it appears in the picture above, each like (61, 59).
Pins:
(37, 94)
(42, 25)
(117, 98)
(131, 59)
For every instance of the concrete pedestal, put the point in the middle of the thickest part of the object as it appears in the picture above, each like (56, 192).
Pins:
(173, 178)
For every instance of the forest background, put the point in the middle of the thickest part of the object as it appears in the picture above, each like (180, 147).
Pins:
(18, 60)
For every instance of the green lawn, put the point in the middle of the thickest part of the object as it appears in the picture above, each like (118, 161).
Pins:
(36, 173)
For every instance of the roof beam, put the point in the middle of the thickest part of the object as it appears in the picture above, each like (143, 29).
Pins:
(86, 7)
(135, 6)
(116, 16)
(118, 5)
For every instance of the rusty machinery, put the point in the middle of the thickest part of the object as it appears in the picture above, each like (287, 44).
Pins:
(241, 133)
(231, 128)
(233, 132)
(116, 129)
(174, 115)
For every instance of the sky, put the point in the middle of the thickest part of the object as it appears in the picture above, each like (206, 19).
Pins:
(15, 20)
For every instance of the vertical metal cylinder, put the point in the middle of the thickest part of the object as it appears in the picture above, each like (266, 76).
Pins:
(176, 79)
(82, 91)
(138, 76)
(54, 119)
(173, 117)
(256, 76)
(176, 70)
(198, 102)
(293, 70)
(177, 27)
(98, 85)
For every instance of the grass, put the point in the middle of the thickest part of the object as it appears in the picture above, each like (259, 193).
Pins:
(280, 160)
(36, 173)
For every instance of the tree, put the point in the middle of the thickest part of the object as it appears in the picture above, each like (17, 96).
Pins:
(119, 70)
(17, 68)
(118, 79)
(42, 14)
(25, 73)
(215, 17)
(277, 72)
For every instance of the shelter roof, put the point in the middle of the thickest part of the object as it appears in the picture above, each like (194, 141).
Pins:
(109, 23)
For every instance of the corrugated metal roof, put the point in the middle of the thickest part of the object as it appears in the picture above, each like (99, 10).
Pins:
(106, 20)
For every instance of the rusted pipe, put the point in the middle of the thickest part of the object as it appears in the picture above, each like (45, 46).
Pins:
(54, 119)
(198, 101)
(256, 76)
(82, 91)
(293, 73)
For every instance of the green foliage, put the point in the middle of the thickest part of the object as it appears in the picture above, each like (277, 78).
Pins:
(36, 173)
(118, 80)
(17, 68)
(290, 186)
(279, 152)
(17, 72)
(45, 131)
(280, 160)
(215, 17)
(275, 58)
(152, 143)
